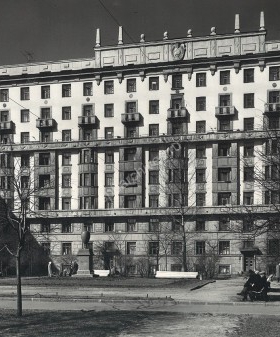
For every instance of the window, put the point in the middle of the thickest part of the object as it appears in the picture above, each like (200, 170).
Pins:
(201, 103)
(109, 157)
(66, 227)
(201, 80)
(176, 248)
(66, 159)
(46, 247)
(24, 181)
(224, 199)
(109, 133)
(224, 100)
(248, 198)
(153, 248)
(273, 123)
(87, 202)
(45, 136)
(25, 160)
(66, 112)
(108, 87)
(224, 224)
(45, 227)
(131, 85)
(200, 225)
(87, 179)
(109, 179)
(108, 110)
(131, 132)
(200, 176)
(66, 203)
(153, 154)
(44, 180)
(109, 202)
(130, 178)
(87, 89)
(224, 247)
(4, 117)
(153, 107)
(66, 135)
(248, 124)
(154, 201)
(224, 174)
(248, 225)
(274, 73)
(44, 158)
(24, 116)
(4, 95)
(45, 113)
(248, 149)
(130, 154)
(153, 177)
(177, 102)
(177, 81)
(131, 107)
(44, 203)
(176, 225)
(24, 137)
(45, 92)
(248, 244)
(24, 94)
(224, 149)
(87, 227)
(130, 201)
(200, 126)
(273, 247)
(248, 75)
(249, 173)
(154, 225)
(66, 180)
(154, 83)
(131, 225)
(109, 226)
(153, 129)
(249, 101)
(200, 151)
(177, 128)
(200, 199)
(87, 110)
(224, 125)
(200, 247)
(66, 248)
(225, 77)
(130, 248)
(66, 90)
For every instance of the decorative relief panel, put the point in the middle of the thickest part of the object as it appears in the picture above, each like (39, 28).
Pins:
(108, 60)
(224, 49)
(200, 52)
(153, 56)
(131, 58)
(250, 47)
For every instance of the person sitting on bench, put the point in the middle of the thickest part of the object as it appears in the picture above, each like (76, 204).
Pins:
(252, 284)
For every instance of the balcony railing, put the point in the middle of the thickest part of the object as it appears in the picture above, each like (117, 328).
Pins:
(87, 120)
(271, 107)
(8, 127)
(225, 111)
(45, 123)
(131, 117)
(177, 113)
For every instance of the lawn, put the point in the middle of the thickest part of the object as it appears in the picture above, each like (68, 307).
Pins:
(115, 282)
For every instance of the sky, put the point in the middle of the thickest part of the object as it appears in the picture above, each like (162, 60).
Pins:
(51, 30)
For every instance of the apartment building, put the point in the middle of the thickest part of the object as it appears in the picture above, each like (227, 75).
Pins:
(108, 139)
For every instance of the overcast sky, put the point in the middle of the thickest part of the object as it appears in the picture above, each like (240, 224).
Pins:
(50, 30)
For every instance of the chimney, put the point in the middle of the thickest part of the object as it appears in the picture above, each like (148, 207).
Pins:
(97, 43)
(236, 25)
(120, 39)
(262, 27)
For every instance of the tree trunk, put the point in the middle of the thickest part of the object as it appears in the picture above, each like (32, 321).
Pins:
(184, 264)
(19, 294)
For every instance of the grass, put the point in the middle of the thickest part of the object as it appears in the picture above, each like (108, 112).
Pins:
(114, 282)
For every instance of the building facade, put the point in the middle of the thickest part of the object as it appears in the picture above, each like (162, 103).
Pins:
(146, 136)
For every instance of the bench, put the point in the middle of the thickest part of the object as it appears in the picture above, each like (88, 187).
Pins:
(176, 274)
(101, 272)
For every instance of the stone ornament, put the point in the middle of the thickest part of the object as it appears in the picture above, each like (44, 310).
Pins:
(178, 51)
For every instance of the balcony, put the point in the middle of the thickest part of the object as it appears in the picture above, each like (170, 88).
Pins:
(45, 123)
(131, 117)
(225, 111)
(87, 121)
(181, 113)
(7, 127)
(272, 108)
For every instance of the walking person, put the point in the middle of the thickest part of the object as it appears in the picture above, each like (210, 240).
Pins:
(50, 269)
(278, 272)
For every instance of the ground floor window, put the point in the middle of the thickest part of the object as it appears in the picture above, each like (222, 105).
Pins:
(224, 269)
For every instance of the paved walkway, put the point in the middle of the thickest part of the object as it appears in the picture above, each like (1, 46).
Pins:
(219, 297)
